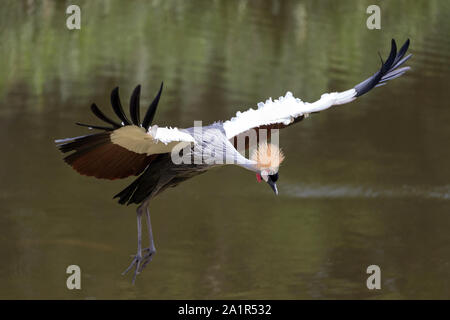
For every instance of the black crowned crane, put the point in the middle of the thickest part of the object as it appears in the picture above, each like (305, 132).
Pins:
(130, 147)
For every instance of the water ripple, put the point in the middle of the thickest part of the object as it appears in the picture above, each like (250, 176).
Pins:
(349, 191)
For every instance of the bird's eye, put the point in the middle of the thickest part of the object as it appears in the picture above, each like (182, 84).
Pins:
(274, 177)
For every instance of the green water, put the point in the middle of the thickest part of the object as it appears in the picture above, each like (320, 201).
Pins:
(366, 183)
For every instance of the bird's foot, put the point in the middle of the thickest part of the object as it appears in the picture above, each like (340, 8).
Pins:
(135, 262)
(140, 261)
(148, 256)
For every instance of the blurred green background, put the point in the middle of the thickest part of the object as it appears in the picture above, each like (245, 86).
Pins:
(365, 183)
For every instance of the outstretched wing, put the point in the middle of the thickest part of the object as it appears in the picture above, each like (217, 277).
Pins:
(288, 110)
(125, 148)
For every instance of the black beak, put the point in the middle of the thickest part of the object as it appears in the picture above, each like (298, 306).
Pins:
(272, 183)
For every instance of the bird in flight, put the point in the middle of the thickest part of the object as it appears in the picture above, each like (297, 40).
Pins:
(163, 157)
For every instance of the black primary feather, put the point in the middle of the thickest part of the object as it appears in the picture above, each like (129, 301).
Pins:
(117, 106)
(370, 83)
(90, 126)
(388, 71)
(101, 116)
(134, 111)
(82, 142)
(401, 52)
(134, 105)
(150, 114)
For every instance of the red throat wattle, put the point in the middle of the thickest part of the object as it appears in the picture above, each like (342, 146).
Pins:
(258, 177)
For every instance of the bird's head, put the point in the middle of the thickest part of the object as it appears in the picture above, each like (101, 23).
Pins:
(268, 158)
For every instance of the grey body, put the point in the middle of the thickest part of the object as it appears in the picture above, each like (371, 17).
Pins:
(163, 172)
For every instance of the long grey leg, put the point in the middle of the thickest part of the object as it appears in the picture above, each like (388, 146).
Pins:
(150, 232)
(138, 257)
(151, 250)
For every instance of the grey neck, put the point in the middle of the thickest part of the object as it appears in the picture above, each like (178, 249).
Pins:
(213, 147)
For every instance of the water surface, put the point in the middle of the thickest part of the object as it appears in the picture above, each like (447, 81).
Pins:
(365, 183)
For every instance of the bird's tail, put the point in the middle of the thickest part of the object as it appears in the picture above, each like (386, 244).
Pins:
(126, 194)
(146, 184)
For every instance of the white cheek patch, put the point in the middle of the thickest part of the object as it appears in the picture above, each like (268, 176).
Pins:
(265, 176)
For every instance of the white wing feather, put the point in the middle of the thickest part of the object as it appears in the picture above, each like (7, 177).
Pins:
(168, 134)
(155, 140)
(283, 110)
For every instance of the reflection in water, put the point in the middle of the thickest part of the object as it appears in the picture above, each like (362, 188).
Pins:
(336, 191)
(362, 184)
